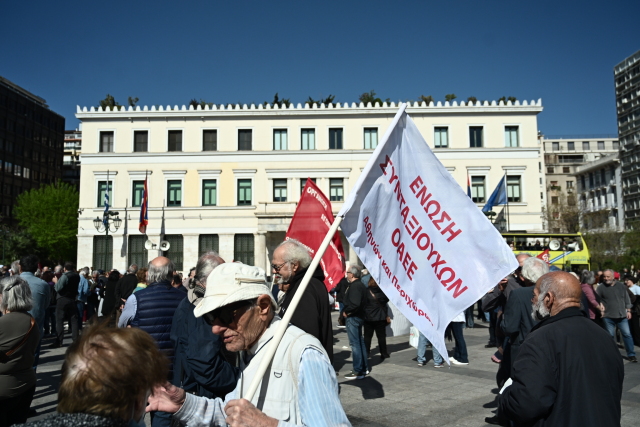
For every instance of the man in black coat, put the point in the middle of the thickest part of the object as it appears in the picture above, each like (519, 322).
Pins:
(67, 289)
(568, 372)
(124, 288)
(313, 315)
(355, 300)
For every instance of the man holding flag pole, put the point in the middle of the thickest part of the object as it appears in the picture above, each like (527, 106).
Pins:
(424, 242)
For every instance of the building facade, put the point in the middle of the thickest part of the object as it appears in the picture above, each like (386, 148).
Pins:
(228, 178)
(627, 85)
(599, 187)
(31, 138)
(71, 157)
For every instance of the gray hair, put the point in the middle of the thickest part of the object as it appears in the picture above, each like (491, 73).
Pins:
(533, 268)
(85, 271)
(587, 277)
(205, 265)
(18, 298)
(133, 269)
(95, 273)
(295, 251)
(58, 269)
(161, 272)
(15, 266)
(356, 270)
(608, 269)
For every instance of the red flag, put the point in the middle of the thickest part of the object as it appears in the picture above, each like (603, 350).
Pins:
(310, 223)
(144, 207)
(544, 256)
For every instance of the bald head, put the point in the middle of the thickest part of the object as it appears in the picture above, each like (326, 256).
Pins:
(160, 269)
(554, 292)
(521, 257)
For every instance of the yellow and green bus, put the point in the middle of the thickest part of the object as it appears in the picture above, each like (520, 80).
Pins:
(568, 252)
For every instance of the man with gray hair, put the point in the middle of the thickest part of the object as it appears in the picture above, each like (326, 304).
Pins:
(199, 366)
(290, 263)
(355, 299)
(617, 310)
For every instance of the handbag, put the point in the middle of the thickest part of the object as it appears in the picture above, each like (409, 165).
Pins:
(387, 319)
(4, 357)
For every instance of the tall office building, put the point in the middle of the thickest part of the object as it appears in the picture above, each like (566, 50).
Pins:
(31, 138)
(627, 82)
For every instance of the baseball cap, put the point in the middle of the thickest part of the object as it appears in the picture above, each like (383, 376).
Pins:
(232, 282)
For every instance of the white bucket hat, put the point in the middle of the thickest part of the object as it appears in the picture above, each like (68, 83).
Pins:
(232, 282)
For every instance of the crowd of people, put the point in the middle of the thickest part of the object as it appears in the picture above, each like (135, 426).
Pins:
(186, 349)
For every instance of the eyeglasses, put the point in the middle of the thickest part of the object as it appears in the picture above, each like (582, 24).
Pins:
(226, 315)
(277, 268)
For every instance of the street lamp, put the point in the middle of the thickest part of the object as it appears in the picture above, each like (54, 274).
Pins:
(107, 224)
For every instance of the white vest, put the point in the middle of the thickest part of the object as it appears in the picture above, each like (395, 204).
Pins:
(277, 394)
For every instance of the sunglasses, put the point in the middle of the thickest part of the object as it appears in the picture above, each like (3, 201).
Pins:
(227, 314)
(277, 268)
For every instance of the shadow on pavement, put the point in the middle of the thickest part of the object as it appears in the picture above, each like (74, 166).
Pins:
(370, 387)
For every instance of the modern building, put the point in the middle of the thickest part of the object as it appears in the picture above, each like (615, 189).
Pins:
(599, 190)
(229, 177)
(627, 84)
(31, 138)
(71, 157)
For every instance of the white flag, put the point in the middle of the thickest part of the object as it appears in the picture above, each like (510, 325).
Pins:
(429, 247)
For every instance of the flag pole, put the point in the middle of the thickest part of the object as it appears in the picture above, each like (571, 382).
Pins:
(282, 326)
(506, 190)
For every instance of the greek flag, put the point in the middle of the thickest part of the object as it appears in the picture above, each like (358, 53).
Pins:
(105, 215)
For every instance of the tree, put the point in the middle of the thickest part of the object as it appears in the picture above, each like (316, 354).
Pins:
(371, 97)
(472, 99)
(279, 102)
(50, 215)
(109, 101)
(132, 101)
(505, 99)
(326, 101)
(428, 99)
(202, 103)
(450, 97)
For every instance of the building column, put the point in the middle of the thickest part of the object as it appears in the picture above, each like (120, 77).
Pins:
(85, 250)
(225, 246)
(190, 252)
(260, 250)
(119, 262)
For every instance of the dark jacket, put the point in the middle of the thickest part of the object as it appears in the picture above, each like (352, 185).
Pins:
(499, 298)
(340, 289)
(109, 304)
(67, 285)
(17, 374)
(517, 321)
(313, 313)
(75, 420)
(376, 309)
(156, 305)
(199, 366)
(568, 373)
(124, 288)
(355, 299)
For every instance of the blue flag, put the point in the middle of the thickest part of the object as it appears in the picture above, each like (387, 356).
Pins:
(498, 197)
(105, 215)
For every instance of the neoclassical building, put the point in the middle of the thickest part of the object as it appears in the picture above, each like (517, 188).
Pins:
(229, 177)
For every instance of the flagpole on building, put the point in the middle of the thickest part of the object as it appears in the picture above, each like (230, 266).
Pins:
(284, 323)
(506, 190)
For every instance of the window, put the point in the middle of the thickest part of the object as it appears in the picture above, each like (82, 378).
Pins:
(554, 200)
(303, 182)
(140, 141)
(477, 189)
(279, 139)
(441, 137)
(137, 251)
(175, 140)
(585, 145)
(209, 187)
(102, 252)
(175, 252)
(616, 145)
(102, 189)
(475, 136)
(600, 145)
(370, 138)
(554, 183)
(551, 169)
(137, 193)
(308, 137)
(244, 139)
(571, 145)
(244, 192)
(569, 184)
(106, 142)
(208, 242)
(555, 146)
(335, 139)
(336, 189)
(243, 248)
(566, 169)
(513, 188)
(511, 136)
(603, 176)
(174, 193)
(209, 140)
(279, 190)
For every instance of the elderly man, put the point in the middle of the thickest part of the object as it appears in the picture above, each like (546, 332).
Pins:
(301, 388)
(355, 299)
(568, 371)
(40, 294)
(152, 309)
(66, 308)
(617, 310)
(199, 366)
(289, 264)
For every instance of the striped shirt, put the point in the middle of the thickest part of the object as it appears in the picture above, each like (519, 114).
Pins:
(317, 398)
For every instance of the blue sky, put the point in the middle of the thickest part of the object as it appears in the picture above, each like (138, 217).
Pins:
(168, 52)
